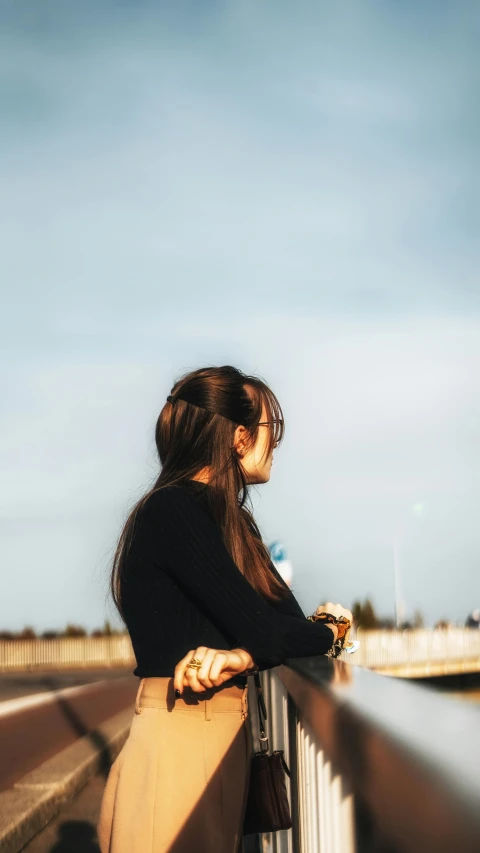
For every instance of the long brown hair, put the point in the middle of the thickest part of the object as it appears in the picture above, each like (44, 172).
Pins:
(195, 430)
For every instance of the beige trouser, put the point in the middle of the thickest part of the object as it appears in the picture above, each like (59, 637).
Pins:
(179, 784)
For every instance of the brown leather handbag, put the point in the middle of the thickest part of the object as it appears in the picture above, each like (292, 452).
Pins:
(267, 807)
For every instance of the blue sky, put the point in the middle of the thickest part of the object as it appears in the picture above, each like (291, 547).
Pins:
(294, 191)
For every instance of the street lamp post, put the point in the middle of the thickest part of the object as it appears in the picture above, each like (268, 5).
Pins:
(417, 510)
(399, 603)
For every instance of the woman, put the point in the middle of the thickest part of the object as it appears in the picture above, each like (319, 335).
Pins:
(203, 605)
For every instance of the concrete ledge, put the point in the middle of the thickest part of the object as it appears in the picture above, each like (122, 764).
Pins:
(36, 798)
(429, 669)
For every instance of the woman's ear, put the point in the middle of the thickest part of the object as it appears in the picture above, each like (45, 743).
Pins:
(240, 440)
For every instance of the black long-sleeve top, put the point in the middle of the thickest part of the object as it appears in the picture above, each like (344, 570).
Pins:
(182, 590)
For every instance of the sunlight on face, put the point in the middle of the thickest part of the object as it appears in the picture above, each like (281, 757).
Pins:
(256, 461)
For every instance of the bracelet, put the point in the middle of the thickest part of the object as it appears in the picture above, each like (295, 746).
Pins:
(342, 625)
(326, 618)
(343, 628)
(338, 645)
(335, 651)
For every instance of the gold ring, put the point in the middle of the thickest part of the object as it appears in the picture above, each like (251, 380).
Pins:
(195, 663)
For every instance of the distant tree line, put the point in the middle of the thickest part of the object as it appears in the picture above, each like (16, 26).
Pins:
(364, 616)
(28, 633)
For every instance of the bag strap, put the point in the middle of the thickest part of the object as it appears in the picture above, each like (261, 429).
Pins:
(262, 716)
(262, 713)
(285, 766)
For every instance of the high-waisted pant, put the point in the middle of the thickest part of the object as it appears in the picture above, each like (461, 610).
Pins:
(180, 782)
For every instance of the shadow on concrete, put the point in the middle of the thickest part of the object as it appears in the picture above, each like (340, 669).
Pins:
(100, 743)
(76, 836)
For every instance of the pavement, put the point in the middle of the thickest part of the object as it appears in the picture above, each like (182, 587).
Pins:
(35, 727)
(54, 806)
(74, 830)
(40, 795)
(14, 685)
(53, 745)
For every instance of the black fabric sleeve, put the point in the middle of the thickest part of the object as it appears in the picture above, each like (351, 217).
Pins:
(184, 541)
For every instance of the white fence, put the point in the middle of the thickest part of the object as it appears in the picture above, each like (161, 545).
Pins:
(378, 650)
(324, 810)
(66, 652)
(326, 807)
(389, 649)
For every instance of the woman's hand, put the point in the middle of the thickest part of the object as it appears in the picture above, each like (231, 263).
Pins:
(218, 666)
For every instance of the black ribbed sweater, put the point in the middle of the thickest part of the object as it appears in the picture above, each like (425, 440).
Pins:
(182, 590)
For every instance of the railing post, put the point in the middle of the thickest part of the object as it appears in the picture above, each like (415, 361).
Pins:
(293, 757)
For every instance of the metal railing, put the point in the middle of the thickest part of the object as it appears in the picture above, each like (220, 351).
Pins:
(379, 765)
(66, 651)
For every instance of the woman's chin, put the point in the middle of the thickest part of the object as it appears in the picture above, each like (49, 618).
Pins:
(259, 478)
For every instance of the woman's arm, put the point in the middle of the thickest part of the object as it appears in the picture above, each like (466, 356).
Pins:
(217, 666)
(185, 542)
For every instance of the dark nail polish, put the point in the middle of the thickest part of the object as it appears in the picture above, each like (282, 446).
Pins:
(177, 693)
